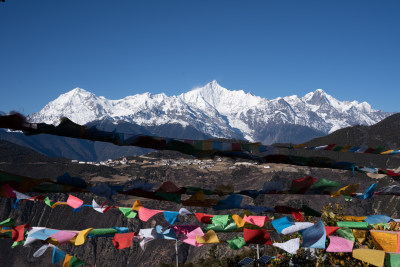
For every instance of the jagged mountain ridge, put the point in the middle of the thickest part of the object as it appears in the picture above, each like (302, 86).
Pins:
(218, 112)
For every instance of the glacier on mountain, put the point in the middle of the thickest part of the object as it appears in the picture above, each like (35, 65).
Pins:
(214, 111)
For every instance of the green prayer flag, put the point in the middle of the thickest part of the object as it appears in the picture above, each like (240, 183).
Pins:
(9, 222)
(220, 219)
(128, 212)
(346, 233)
(337, 148)
(356, 225)
(386, 226)
(48, 202)
(236, 243)
(9, 177)
(103, 231)
(75, 262)
(392, 260)
(170, 196)
(310, 212)
(348, 198)
(192, 189)
(17, 243)
(324, 185)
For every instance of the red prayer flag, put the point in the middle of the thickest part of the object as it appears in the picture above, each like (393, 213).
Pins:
(122, 241)
(330, 147)
(301, 185)
(330, 230)
(18, 232)
(259, 236)
(204, 218)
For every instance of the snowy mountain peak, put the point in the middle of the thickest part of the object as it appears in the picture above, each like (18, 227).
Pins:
(215, 111)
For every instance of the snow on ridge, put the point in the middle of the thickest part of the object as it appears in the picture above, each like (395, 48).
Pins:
(213, 110)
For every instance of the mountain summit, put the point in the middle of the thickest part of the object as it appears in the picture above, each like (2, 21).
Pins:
(219, 112)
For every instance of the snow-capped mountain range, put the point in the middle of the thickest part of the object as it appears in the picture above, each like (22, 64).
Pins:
(218, 112)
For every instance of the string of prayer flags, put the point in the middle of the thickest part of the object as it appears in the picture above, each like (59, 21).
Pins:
(291, 246)
(371, 256)
(258, 236)
(314, 236)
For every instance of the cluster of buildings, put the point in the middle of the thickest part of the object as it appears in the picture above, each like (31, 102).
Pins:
(109, 162)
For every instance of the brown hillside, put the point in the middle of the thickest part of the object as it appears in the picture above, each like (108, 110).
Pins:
(384, 133)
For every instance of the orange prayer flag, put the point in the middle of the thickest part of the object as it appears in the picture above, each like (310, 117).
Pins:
(137, 205)
(67, 259)
(347, 190)
(385, 240)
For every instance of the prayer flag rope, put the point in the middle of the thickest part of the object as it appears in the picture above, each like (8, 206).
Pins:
(197, 148)
(168, 191)
(347, 237)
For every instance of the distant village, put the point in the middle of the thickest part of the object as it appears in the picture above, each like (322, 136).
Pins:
(143, 160)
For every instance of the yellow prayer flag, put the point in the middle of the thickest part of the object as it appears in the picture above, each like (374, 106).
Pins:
(80, 238)
(371, 256)
(387, 152)
(300, 146)
(207, 145)
(208, 238)
(238, 220)
(67, 259)
(354, 218)
(347, 190)
(57, 204)
(360, 235)
(137, 205)
(52, 241)
(385, 240)
(345, 148)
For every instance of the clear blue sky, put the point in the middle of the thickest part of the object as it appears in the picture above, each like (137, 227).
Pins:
(351, 49)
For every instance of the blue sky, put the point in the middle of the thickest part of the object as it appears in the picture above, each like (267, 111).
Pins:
(270, 48)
